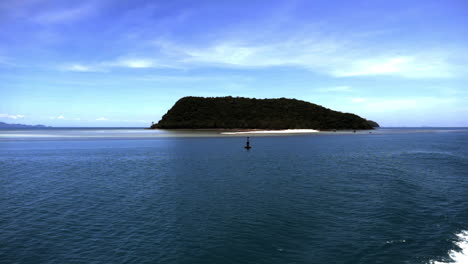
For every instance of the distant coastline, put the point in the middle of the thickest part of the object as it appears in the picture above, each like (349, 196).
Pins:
(7, 125)
(106, 133)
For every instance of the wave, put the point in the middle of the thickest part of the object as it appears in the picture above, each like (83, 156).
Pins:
(459, 256)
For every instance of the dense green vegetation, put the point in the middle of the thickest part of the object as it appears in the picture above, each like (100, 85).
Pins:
(373, 123)
(238, 112)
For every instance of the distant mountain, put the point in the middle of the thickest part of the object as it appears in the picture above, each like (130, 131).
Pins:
(250, 113)
(5, 125)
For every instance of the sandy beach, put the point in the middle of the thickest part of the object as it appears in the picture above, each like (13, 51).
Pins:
(286, 131)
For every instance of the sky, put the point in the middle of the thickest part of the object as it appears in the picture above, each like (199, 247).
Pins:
(125, 63)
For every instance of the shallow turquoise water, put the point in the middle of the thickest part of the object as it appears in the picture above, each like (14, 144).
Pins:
(394, 196)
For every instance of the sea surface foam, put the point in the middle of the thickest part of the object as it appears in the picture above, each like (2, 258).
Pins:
(461, 256)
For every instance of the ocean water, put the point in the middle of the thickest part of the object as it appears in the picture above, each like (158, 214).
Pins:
(143, 196)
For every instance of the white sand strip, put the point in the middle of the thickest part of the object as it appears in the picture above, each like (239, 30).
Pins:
(286, 131)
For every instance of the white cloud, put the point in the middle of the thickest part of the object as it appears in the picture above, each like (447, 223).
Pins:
(224, 54)
(136, 63)
(79, 68)
(133, 121)
(232, 54)
(328, 56)
(358, 100)
(404, 66)
(374, 67)
(311, 49)
(342, 88)
(228, 53)
(195, 78)
(11, 116)
(104, 66)
(379, 105)
(101, 119)
(176, 78)
(60, 117)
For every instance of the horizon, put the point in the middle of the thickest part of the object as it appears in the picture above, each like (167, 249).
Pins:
(107, 64)
(147, 127)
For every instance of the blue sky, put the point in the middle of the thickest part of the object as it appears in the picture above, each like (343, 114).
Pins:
(125, 63)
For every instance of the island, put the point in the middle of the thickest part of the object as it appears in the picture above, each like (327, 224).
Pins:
(6, 125)
(250, 113)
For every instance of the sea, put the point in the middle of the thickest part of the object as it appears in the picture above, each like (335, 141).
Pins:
(133, 195)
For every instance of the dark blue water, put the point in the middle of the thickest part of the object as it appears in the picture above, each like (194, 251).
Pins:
(369, 198)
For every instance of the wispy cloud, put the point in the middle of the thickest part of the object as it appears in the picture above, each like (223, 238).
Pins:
(308, 47)
(101, 119)
(313, 57)
(105, 66)
(64, 15)
(281, 42)
(134, 63)
(195, 78)
(80, 68)
(375, 67)
(241, 54)
(358, 100)
(11, 116)
(60, 117)
(325, 55)
(379, 105)
(404, 66)
(334, 89)
(134, 121)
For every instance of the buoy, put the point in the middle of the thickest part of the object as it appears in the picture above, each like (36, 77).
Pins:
(247, 145)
